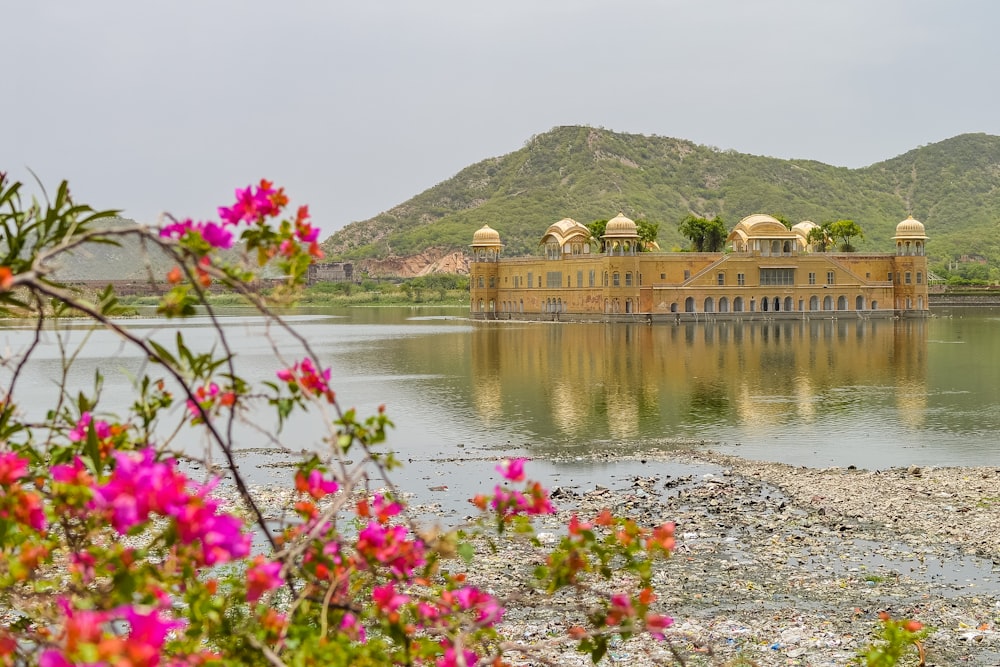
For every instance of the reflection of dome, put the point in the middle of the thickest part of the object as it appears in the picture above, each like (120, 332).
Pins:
(910, 229)
(620, 227)
(486, 235)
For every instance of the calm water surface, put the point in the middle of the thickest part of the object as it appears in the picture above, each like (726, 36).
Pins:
(819, 393)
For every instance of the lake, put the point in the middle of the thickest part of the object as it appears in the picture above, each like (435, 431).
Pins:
(869, 393)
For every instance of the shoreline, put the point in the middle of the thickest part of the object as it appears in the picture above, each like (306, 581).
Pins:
(785, 565)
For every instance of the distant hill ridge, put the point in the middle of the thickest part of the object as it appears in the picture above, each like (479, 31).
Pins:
(587, 173)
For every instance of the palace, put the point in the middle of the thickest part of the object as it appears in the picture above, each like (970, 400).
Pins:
(768, 271)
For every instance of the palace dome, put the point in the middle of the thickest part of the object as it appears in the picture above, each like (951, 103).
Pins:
(910, 228)
(621, 227)
(486, 236)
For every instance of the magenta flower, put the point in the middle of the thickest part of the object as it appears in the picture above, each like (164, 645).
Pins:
(314, 484)
(53, 658)
(452, 658)
(308, 379)
(74, 474)
(512, 469)
(12, 468)
(253, 204)
(387, 599)
(262, 576)
(389, 546)
(216, 236)
(351, 625)
(213, 234)
(656, 624)
(101, 428)
(489, 608)
(148, 633)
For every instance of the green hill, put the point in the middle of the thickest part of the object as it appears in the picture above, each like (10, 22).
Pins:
(585, 173)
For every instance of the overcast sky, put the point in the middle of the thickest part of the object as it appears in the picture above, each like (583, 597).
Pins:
(356, 106)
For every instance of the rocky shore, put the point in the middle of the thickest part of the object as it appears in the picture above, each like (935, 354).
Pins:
(784, 565)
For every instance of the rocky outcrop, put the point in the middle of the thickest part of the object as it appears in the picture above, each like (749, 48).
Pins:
(430, 261)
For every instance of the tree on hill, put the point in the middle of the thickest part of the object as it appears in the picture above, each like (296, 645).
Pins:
(845, 230)
(705, 235)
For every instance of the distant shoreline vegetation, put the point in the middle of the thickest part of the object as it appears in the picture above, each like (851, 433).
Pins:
(437, 289)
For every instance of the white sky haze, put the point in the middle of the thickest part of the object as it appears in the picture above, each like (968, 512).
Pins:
(356, 106)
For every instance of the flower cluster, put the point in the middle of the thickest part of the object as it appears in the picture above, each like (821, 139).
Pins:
(88, 638)
(304, 377)
(140, 485)
(16, 502)
(124, 560)
(209, 397)
(253, 205)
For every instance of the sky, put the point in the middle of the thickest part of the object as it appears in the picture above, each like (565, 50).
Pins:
(354, 106)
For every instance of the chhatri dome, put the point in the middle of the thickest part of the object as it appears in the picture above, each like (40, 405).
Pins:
(910, 237)
(620, 227)
(910, 229)
(486, 236)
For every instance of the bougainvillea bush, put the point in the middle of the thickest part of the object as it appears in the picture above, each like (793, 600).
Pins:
(113, 553)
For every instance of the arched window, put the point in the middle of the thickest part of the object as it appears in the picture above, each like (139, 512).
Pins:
(777, 304)
(874, 305)
(788, 303)
(689, 304)
(764, 304)
(723, 304)
(842, 302)
(673, 307)
(813, 303)
(859, 303)
(709, 305)
(828, 303)
(738, 304)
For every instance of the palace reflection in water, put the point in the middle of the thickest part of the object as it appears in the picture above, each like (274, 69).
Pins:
(626, 381)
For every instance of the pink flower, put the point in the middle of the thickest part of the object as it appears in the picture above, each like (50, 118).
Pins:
(75, 474)
(656, 624)
(213, 234)
(147, 634)
(387, 599)
(216, 235)
(452, 658)
(140, 485)
(314, 484)
(12, 468)
(262, 576)
(352, 627)
(253, 204)
(512, 469)
(489, 609)
(101, 428)
(389, 546)
(308, 379)
(53, 658)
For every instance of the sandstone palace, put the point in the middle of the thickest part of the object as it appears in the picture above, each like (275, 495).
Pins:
(768, 271)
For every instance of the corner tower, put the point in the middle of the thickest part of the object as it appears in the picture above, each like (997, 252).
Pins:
(483, 272)
(910, 275)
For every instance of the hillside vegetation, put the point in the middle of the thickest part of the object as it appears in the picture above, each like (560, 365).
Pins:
(585, 173)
